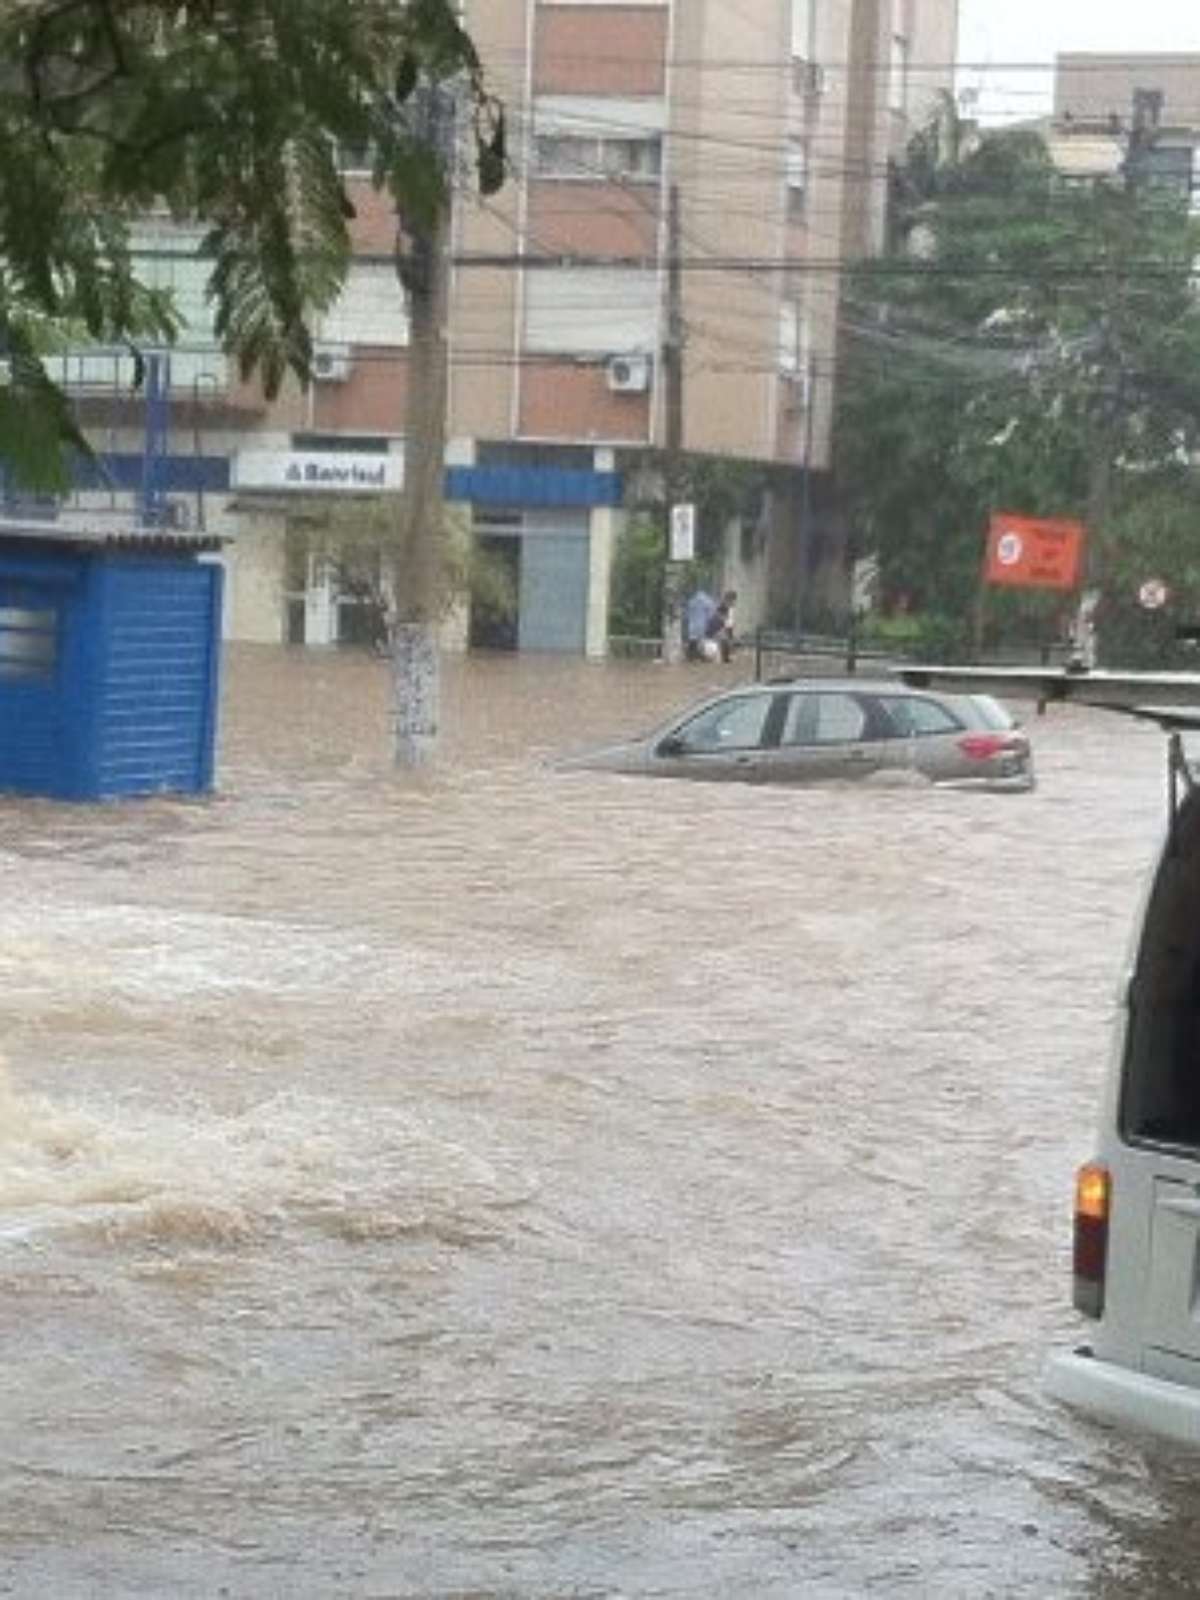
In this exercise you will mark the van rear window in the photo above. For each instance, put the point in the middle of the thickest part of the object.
(1160, 1098)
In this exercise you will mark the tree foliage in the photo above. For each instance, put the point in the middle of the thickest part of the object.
(725, 492)
(355, 534)
(1027, 344)
(227, 112)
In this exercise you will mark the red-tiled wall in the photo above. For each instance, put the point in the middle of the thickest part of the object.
(600, 50)
(593, 219)
(563, 400)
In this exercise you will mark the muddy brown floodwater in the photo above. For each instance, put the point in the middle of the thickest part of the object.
(531, 1184)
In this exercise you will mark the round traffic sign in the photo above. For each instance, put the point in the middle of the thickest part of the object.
(1152, 594)
(1009, 549)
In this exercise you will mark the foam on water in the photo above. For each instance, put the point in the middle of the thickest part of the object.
(131, 1173)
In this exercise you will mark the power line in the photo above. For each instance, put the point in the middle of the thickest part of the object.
(884, 267)
(1066, 62)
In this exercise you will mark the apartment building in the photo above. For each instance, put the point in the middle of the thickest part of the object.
(688, 177)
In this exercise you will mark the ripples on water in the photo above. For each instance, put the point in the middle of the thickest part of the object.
(520, 1183)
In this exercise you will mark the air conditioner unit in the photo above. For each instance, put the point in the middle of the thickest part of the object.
(628, 374)
(331, 363)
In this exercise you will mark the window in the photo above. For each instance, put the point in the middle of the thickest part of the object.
(599, 158)
(1160, 1099)
(992, 713)
(912, 716)
(28, 642)
(802, 21)
(730, 725)
(796, 175)
(370, 310)
(591, 311)
(790, 354)
(898, 60)
(167, 256)
(372, 444)
(1167, 169)
(824, 719)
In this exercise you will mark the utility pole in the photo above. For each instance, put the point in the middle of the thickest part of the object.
(422, 265)
(805, 527)
(672, 370)
(1147, 109)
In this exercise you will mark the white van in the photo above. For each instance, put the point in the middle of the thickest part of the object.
(1137, 1202)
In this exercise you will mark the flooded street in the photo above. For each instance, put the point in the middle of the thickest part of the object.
(519, 1184)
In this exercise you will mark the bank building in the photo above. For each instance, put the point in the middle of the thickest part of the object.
(686, 177)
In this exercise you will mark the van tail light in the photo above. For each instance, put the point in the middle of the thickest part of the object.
(1093, 1203)
(985, 746)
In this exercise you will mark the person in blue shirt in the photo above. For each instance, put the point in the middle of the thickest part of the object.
(698, 613)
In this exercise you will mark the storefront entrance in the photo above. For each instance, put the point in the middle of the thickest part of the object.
(545, 554)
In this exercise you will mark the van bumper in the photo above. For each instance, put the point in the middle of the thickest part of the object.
(1117, 1394)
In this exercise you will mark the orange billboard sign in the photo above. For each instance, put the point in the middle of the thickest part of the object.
(1034, 552)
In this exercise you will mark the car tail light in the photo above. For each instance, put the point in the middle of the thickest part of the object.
(984, 746)
(1093, 1203)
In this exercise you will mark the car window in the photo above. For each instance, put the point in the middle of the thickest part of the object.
(914, 716)
(729, 725)
(824, 718)
(991, 711)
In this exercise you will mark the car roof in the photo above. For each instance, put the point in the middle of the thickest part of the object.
(714, 695)
(861, 685)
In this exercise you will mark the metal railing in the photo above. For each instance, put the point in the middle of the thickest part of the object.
(812, 655)
(627, 647)
(777, 654)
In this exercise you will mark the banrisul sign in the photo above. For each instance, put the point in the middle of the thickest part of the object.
(318, 471)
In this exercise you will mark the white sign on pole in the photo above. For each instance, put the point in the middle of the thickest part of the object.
(1152, 594)
(683, 533)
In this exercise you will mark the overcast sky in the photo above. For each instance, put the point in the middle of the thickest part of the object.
(998, 33)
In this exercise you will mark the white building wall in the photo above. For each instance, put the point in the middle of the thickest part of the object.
(255, 575)
(603, 530)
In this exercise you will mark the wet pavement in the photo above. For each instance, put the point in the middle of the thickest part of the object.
(517, 1183)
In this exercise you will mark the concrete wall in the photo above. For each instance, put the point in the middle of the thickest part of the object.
(1093, 87)
(255, 579)
(604, 530)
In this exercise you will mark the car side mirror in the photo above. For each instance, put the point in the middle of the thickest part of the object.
(672, 745)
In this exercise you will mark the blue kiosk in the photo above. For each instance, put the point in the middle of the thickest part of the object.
(109, 654)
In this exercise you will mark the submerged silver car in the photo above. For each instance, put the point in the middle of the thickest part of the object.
(827, 729)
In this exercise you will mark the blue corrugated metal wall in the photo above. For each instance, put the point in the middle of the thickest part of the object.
(38, 754)
(156, 694)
